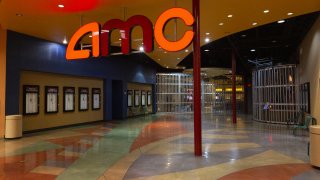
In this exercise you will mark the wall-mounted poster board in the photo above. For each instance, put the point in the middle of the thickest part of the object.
(136, 98)
(149, 99)
(143, 98)
(83, 99)
(51, 99)
(129, 97)
(30, 99)
(96, 98)
(68, 99)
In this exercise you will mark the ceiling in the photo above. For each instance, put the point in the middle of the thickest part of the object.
(261, 46)
(44, 19)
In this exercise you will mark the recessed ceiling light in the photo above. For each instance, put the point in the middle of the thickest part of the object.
(120, 39)
(61, 6)
(165, 52)
(243, 35)
(186, 50)
(220, 24)
(65, 41)
(167, 67)
(90, 36)
(159, 59)
(141, 48)
(207, 34)
(19, 15)
(230, 16)
(253, 50)
(207, 50)
(281, 21)
(254, 24)
(266, 11)
(290, 14)
(207, 40)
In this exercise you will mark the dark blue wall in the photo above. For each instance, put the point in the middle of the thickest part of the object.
(29, 53)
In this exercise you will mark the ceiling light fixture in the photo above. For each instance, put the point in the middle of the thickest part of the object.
(253, 50)
(243, 35)
(290, 14)
(165, 52)
(159, 59)
(281, 21)
(65, 41)
(230, 16)
(61, 6)
(266, 11)
(207, 50)
(254, 24)
(207, 34)
(141, 49)
(207, 40)
(178, 58)
(220, 24)
(90, 36)
(186, 50)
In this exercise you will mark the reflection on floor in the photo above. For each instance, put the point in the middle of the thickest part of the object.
(159, 147)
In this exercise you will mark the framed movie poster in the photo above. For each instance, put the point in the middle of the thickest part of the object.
(51, 99)
(136, 98)
(96, 98)
(83, 99)
(68, 99)
(149, 99)
(143, 98)
(129, 97)
(30, 99)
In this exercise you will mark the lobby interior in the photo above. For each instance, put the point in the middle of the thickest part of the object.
(131, 116)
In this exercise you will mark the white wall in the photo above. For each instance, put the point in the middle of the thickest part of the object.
(309, 67)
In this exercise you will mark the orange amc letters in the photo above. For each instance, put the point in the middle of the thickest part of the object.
(101, 35)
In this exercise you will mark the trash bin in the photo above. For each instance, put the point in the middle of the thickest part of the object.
(315, 145)
(13, 126)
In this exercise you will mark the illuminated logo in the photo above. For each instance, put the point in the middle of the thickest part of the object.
(101, 36)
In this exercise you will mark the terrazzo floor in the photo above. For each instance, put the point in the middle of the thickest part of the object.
(160, 147)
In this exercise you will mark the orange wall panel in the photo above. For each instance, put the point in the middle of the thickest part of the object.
(3, 49)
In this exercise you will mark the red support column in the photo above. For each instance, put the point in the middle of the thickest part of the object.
(234, 99)
(197, 79)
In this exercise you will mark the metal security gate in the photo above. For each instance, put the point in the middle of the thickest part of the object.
(276, 94)
(175, 93)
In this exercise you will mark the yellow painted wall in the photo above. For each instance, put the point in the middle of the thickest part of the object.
(309, 68)
(42, 120)
(3, 59)
(133, 111)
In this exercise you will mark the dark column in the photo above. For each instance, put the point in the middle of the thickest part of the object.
(197, 79)
(119, 104)
(245, 91)
(107, 99)
(234, 99)
(154, 99)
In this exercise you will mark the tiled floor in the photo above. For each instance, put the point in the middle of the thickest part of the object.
(160, 147)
